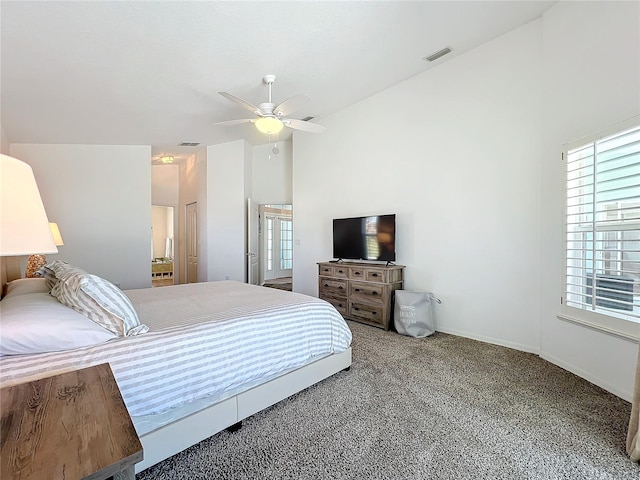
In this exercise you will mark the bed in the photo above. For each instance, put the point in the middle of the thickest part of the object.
(202, 357)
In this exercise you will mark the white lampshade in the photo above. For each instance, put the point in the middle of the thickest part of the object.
(24, 227)
(269, 125)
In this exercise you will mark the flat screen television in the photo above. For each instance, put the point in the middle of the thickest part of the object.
(365, 238)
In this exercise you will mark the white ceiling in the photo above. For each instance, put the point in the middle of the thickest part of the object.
(148, 73)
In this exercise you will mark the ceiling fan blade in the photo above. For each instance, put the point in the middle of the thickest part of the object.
(291, 105)
(235, 122)
(302, 125)
(242, 103)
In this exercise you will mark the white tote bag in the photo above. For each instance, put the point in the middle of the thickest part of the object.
(413, 313)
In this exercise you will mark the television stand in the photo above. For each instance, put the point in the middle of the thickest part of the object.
(362, 292)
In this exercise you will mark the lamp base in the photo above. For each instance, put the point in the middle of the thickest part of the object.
(35, 263)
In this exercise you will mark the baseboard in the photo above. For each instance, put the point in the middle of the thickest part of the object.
(494, 341)
(625, 395)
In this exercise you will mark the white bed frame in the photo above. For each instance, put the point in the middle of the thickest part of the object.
(176, 436)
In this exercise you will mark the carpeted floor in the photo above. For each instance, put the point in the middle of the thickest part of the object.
(443, 407)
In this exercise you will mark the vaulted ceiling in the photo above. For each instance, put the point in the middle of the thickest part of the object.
(148, 73)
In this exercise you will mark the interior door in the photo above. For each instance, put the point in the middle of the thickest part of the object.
(253, 259)
(191, 240)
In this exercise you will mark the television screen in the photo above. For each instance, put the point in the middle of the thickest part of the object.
(365, 238)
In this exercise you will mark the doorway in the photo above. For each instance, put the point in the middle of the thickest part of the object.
(162, 245)
(276, 242)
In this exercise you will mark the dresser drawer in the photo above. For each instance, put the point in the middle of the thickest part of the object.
(357, 273)
(340, 304)
(325, 270)
(341, 271)
(375, 275)
(367, 312)
(332, 287)
(368, 292)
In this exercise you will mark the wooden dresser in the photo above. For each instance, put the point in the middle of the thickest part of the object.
(360, 291)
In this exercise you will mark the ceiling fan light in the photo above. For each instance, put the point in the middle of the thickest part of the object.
(167, 159)
(269, 125)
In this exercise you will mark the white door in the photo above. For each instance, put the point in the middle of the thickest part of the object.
(192, 242)
(253, 258)
(278, 246)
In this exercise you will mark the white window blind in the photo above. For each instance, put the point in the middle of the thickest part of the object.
(603, 226)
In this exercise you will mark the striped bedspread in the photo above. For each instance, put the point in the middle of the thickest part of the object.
(204, 339)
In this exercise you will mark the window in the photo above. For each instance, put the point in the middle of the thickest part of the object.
(602, 251)
(286, 244)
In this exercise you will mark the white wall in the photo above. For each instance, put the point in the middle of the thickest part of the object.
(165, 185)
(591, 82)
(100, 197)
(455, 153)
(162, 223)
(272, 177)
(228, 180)
(193, 188)
(468, 156)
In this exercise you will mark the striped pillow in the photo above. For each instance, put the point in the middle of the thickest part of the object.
(55, 271)
(100, 301)
(49, 275)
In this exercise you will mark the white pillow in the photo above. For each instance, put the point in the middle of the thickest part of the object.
(38, 323)
(99, 300)
(22, 286)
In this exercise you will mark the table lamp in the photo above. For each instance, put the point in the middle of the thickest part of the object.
(24, 227)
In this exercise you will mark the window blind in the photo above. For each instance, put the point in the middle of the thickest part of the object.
(603, 226)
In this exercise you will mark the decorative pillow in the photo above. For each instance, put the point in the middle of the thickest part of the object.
(66, 273)
(100, 301)
(54, 271)
(61, 269)
(38, 323)
(23, 286)
(49, 275)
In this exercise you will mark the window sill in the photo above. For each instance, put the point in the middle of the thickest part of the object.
(625, 333)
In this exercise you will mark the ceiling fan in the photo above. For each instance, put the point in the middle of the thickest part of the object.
(271, 118)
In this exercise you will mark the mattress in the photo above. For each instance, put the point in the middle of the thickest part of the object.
(206, 341)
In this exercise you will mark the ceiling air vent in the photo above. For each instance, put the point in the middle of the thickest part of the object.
(306, 119)
(189, 144)
(437, 55)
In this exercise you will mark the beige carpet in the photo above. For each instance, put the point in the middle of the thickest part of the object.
(442, 407)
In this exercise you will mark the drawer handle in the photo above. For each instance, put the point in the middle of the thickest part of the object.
(356, 289)
(356, 273)
(340, 271)
(326, 269)
(356, 309)
(340, 305)
(340, 287)
(374, 293)
(374, 274)
(326, 284)
(374, 313)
